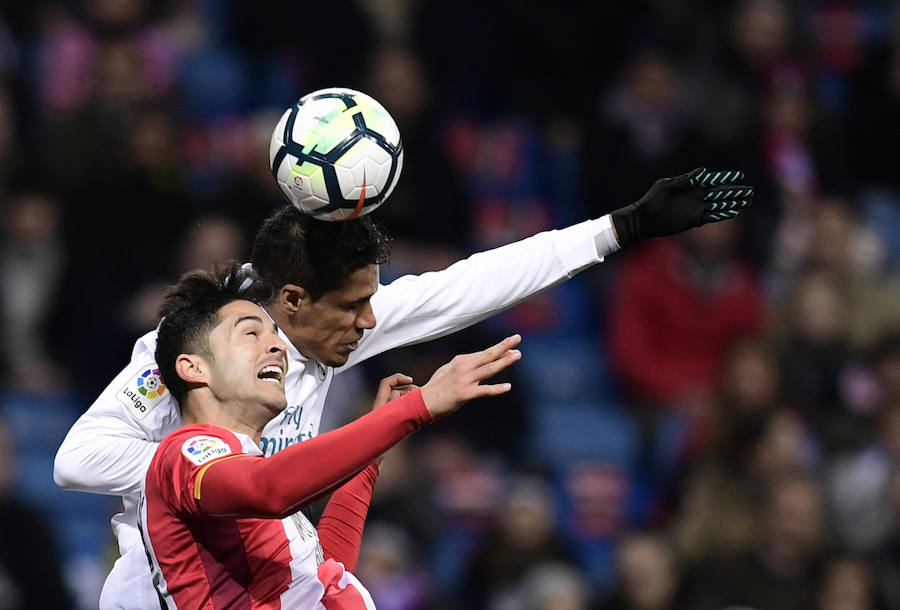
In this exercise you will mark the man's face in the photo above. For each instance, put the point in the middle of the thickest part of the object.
(328, 329)
(248, 360)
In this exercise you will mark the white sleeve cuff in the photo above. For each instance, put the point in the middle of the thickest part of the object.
(585, 243)
(605, 238)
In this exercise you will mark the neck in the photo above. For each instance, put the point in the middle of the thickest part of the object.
(201, 410)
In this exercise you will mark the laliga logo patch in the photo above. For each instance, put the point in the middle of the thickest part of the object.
(150, 384)
(144, 392)
(201, 449)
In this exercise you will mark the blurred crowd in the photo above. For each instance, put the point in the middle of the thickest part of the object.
(702, 421)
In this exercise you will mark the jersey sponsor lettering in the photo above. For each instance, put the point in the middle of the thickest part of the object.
(143, 392)
(270, 445)
(288, 432)
(201, 449)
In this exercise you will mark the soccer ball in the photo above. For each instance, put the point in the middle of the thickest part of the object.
(336, 154)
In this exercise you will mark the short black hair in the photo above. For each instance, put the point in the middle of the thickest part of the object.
(190, 311)
(319, 256)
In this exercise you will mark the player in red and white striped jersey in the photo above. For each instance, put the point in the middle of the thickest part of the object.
(221, 523)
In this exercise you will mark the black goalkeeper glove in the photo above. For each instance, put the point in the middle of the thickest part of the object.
(673, 205)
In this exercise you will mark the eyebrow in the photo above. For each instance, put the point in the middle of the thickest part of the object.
(246, 319)
(254, 319)
(360, 300)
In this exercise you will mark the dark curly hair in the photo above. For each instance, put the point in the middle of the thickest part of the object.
(294, 248)
(190, 312)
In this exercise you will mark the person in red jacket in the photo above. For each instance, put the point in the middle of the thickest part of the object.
(679, 305)
(222, 525)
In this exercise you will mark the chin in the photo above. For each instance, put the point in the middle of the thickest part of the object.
(336, 361)
(277, 407)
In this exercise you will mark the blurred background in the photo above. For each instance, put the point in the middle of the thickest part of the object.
(703, 420)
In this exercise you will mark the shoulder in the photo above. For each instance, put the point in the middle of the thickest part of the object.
(138, 393)
(145, 346)
(197, 445)
(140, 389)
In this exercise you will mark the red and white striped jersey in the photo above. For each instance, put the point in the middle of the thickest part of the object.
(240, 563)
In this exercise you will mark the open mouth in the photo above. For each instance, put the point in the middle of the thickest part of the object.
(272, 373)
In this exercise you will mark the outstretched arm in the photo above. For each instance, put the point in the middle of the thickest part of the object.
(419, 308)
(299, 475)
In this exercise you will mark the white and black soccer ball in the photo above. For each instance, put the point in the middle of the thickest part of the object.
(336, 154)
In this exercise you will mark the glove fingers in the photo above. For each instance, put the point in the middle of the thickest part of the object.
(722, 193)
(687, 179)
(723, 210)
(708, 178)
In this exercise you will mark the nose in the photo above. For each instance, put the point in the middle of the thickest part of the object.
(277, 345)
(366, 318)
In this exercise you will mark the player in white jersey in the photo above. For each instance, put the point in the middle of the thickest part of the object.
(327, 304)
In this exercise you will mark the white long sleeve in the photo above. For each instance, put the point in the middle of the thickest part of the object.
(414, 309)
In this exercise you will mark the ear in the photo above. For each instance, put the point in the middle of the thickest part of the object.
(191, 368)
(292, 298)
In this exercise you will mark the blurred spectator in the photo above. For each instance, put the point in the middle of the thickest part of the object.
(755, 54)
(748, 96)
(32, 263)
(716, 519)
(72, 58)
(815, 338)
(795, 147)
(887, 559)
(857, 484)
(845, 583)
(549, 586)
(727, 457)
(777, 573)
(679, 305)
(208, 241)
(648, 575)
(9, 162)
(885, 358)
(748, 389)
(859, 479)
(521, 537)
(228, 168)
(405, 497)
(642, 129)
(30, 572)
(829, 237)
(842, 246)
(818, 357)
(388, 567)
(801, 161)
(88, 144)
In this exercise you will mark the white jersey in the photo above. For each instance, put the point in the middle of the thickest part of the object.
(110, 447)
